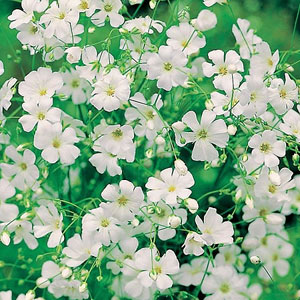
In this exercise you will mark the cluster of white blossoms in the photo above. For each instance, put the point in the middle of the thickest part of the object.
(104, 148)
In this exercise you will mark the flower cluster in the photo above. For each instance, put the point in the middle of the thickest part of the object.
(106, 144)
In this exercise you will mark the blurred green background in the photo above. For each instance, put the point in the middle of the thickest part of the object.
(274, 22)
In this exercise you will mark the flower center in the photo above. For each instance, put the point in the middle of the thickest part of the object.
(108, 7)
(283, 94)
(150, 115)
(104, 222)
(75, 83)
(253, 96)
(202, 134)
(57, 224)
(172, 188)
(122, 201)
(167, 66)
(224, 288)
(157, 269)
(263, 212)
(84, 5)
(275, 257)
(223, 70)
(184, 44)
(33, 30)
(270, 62)
(117, 134)
(110, 91)
(265, 148)
(41, 116)
(272, 189)
(43, 92)
(56, 143)
(62, 15)
(23, 166)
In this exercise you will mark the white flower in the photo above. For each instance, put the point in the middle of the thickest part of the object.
(213, 229)
(48, 220)
(73, 54)
(87, 6)
(127, 250)
(206, 20)
(6, 93)
(193, 244)
(266, 148)
(225, 283)
(291, 124)
(283, 95)
(19, 17)
(40, 85)
(24, 172)
(111, 91)
(79, 249)
(149, 122)
(1, 68)
(205, 134)
(255, 260)
(144, 25)
(39, 113)
(60, 18)
(185, 39)
(212, 2)
(168, 66)
(181, 167)
(125, 200)
(245, 38)
(156, 271)
(110, 9)
(56, 143)
(78, 89)
(100, 220)
(192, 273)
(254, 96)
(263, 62)
(171, 187)
(118, 140)
(224, 79)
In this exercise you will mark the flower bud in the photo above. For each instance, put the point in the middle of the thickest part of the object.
(255, 260)
(192, 205)
(83, 287)
(212, 199)
(160, 140)
(66, 272)
(91, 29)
(135, 222)
(231, 129)
(5, 238)
(209, 104)
(174, 221)
(206, 20)
(274, 178)
(244, 157)
(238, 195)
(181, 167)
(151, 210)
(42, 282)
(73, 54)
(152, 4)
(249, 201)
(231, 69)
(153, 275)
(30, 295)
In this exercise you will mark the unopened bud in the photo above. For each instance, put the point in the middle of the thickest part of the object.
(30, 295)
(275, 219)
(231, 129)
(153, 275)
(160, 140)
(42, 282)
(5, 238)
(212, 199)
(181, 167)
(83, 287)
(66, 272)
(178, 126)
(174, 221)
(135, 222)
(209, 104)
(255, 260)
(192, 205)
(249, 201)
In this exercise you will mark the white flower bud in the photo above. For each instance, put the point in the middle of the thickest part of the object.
(209, 105)
(206, 20)
(39, 191)
(212, 199)
(274, 178)
(24, 47)
(289, 68)
(152, 4)
(83, 287)
(192, 205)
(231, 69)
(30, 295)
(249, 201)
(20, 148)
(73, 54)
(178, 126)
(133, 2)
(19, 196)
(153, 275)
(255, 260)
(174, 221)
(135, 222)
(275, 219)
(91, 29)
(180, 167)
(66, 272)
(160, 140)
(42, 282)
(231, 129)
(238, 195)
(5, 238)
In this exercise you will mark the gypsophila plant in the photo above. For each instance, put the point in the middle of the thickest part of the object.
(107, 141)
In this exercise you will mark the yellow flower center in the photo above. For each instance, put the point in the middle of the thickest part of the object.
(43, 92)
(225, 288)
(122, 201)
(117, 134)
(104, 223)
(62, 15)
(56, 143)
(172, 188)
(108, 7)
(41, 116)
(75, 83)
(167, 66)
(265, 147)
(270, 62)
(202, 134)
(23, 166)
(110, 91)
(223, 70)
(283, 94)
(272, 188)
(84, 5)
